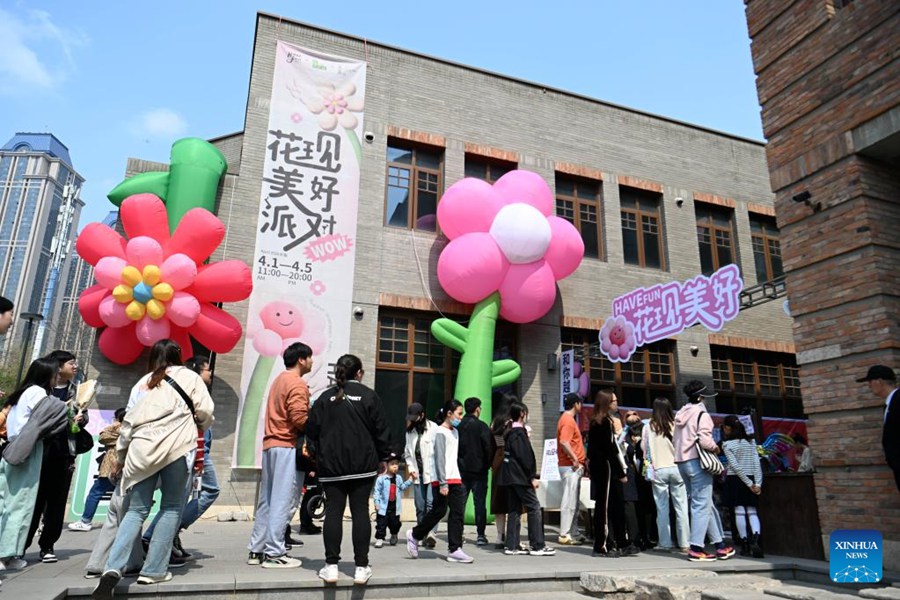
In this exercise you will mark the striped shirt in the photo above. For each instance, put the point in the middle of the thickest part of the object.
(743, 461)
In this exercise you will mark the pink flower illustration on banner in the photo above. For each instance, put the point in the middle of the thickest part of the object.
(153, 286)
(505, 238)
(317, 287)
(334, 105)
(617, 339)
(296, 117)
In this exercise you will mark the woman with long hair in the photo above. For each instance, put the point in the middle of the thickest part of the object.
(157, 443)
(743, 485)
(19, 483)
(450, 491)
(660, 454)
(347, 436)
(693, 429)
(606, 467)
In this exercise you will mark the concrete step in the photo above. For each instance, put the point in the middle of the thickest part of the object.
(729, 594)
(884, 593)
(808, 592)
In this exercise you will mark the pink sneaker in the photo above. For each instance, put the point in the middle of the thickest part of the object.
(412, 544)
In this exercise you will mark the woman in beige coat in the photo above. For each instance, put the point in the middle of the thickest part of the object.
(157, 442)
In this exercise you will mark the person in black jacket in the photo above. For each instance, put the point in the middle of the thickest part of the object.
(58, 463)
(883, 383)
(605, 463)
(347, 435)
(475, 454)
(519, 475)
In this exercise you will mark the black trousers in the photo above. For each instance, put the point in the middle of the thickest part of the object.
(53, 491)
(456, 501)
(476, 484)
(523, 496)
(616, 515)
(337, 493)
(388, 521)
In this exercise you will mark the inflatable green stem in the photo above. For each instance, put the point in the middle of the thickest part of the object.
(245, 449)
(195, 168)
(478, 372)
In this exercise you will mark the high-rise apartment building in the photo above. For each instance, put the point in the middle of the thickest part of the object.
(70, 332)
(39, 212)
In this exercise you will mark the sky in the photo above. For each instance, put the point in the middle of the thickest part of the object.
(114, 80)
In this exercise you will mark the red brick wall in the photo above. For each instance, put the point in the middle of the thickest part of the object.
(821, 72)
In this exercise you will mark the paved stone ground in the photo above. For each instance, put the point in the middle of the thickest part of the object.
(220, 568)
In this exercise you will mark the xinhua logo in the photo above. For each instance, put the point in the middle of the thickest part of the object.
(855, 556)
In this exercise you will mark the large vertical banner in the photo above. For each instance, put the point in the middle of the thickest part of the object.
(306, 231)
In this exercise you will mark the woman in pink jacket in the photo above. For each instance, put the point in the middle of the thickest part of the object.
(694, 426)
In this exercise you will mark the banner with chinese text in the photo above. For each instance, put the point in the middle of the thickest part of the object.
(306, 232)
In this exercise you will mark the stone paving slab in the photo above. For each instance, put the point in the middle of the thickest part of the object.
(807, 592)
(616, 581)
(691, 587)
(220, 569)
(885, 593)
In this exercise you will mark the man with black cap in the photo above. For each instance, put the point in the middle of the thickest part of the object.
(883, 383)
(419, 458)
(6, 315)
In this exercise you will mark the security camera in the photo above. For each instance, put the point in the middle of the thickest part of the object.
(358, 312)
(695, 350)
(369, 136)
(679, 202)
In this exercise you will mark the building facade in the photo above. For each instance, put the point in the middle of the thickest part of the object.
(829, 85)
(39, 212)
(655, 200)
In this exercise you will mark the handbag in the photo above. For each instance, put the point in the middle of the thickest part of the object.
(709, 462)
(84, 441)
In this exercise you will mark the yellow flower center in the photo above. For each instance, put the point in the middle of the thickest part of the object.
(143, 292)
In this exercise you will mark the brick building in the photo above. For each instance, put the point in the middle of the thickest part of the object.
(829, 86)
(434, 121)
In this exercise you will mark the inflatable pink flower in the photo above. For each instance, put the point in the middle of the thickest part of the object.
(153, 286)
(505, 238)
(617, 339)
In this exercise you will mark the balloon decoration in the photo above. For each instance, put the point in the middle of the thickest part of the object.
(507, 250)
(156, 284)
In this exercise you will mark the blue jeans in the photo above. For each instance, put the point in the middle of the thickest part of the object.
(173, 481)
(195, 507)
(477, 485)
(668, 480)
(699, 485)
(423, 497)
(102, 485)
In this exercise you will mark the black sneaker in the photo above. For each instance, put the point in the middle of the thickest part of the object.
(310, 529)
(177, 548)
(255, 559)
(175, 561)
(48, 556)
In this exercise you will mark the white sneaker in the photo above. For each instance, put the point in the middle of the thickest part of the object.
(80, 526)
(362, 575)
(379, 543)
(329, 573)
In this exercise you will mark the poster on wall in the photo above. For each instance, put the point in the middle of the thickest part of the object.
(87, 467)
(573, 379)
(647, 315)
(306, 231)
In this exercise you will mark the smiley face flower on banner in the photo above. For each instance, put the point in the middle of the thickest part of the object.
(153, 286)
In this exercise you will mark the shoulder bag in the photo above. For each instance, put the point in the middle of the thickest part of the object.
(709, 462)
(201, 441)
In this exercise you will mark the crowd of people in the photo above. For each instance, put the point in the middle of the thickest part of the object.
(651, 480)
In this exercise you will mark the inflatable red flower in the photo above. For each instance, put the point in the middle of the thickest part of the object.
(154, 286)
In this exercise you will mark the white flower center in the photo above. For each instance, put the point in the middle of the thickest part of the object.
(522, 233)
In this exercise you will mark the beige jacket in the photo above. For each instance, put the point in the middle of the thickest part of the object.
(159, 429)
